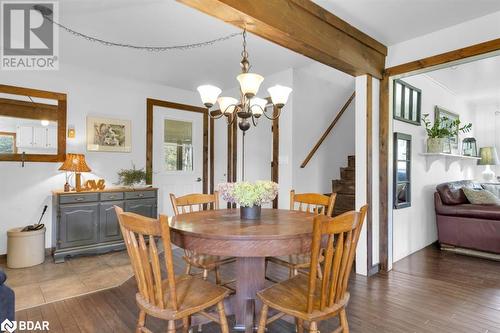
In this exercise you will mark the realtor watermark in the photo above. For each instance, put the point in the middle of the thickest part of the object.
(29, 39)
(24, 325)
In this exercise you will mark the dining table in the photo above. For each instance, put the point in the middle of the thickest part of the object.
(223, 233)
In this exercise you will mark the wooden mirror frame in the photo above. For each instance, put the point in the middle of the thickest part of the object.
(22, 109)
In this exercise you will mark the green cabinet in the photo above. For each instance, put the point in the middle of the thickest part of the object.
(86, 222)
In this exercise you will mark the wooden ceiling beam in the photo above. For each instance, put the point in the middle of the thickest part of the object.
(303, 27)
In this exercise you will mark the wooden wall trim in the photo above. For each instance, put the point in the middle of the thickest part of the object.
(305, 28)
(275, 166)
(212, 155)
(443, 58)
(384, 133)
(150, 104)
(13, 90)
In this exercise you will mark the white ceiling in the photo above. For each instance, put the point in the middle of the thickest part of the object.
(394, 21)
(166, 22)
(477, 83)
(163, 22)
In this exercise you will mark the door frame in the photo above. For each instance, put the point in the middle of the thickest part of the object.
(150, 104)
(413, 67)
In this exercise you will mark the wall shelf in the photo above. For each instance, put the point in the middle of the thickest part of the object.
(449, 159)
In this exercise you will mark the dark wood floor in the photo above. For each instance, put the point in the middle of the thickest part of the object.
(430, 291)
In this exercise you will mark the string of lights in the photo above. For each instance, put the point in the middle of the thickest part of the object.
(47, 14)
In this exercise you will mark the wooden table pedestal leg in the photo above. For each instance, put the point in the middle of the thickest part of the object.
(250, 278)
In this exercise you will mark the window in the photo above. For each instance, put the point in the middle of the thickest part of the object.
(178, 145)
(402, 170)
(8, 143)
(407, 102)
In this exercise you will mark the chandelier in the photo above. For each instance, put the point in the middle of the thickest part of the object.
(249, 107)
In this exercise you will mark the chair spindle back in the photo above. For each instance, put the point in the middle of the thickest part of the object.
(312, 202)
(139, 234)
(194, 202)
(342, 234)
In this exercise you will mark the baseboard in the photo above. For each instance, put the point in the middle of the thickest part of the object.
(469, 252)
(375, 269)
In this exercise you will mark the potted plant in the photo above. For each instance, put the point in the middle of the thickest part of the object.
(249, 196)
(131, 177)
(439, 133)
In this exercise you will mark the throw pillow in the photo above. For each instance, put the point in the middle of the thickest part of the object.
(480, 197)
(493, 188)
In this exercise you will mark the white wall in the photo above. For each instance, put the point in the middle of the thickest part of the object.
(487, 134)
(24, 191)
(415, 227)
(316, 103)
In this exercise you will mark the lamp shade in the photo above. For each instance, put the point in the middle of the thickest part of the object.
(257, 106)
(209, 94)
(249, 83)
(488, 156)
(227, 104)
(279, 94)
(75, 163)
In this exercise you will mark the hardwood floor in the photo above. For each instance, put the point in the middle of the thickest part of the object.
(430, 291)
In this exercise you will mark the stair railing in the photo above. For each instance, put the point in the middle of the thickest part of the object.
(328, 130)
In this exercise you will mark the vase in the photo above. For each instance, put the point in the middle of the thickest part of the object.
(438, 145)
(250, 213)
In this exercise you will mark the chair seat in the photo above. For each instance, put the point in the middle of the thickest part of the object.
(290, 297)
(207, 261)
(193, 295)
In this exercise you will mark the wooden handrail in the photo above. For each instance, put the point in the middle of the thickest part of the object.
(328, 130)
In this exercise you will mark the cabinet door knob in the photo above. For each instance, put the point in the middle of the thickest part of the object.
(79, 199)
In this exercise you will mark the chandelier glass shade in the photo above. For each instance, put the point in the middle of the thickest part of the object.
(249, 106)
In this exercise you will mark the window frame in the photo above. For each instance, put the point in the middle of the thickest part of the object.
(413, 90)
(408, 161)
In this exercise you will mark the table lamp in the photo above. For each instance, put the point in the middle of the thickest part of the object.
(488, 157)
(75, 163)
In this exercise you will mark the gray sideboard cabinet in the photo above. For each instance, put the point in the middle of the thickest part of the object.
(86, 223)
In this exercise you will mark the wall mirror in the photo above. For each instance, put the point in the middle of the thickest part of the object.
(402, 170)
(32, 125)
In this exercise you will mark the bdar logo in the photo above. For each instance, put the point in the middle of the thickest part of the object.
(8, 326)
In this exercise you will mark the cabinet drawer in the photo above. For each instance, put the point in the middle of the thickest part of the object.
(76, 198)
(140, 194)
(111, 196)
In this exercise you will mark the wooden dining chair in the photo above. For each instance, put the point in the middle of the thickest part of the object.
(196, 202)
(171, 298)
(308, 298)
(306, 202)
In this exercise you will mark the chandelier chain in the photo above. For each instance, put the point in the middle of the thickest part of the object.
(181, 47)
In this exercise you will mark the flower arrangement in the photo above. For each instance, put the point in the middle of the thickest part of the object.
(247, 194)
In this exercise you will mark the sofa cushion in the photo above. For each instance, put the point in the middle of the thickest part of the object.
(451, 193)
(3, 277)
(487, 212)
(481, 197)
(493, 188)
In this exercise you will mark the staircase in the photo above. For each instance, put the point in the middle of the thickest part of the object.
(345, 188)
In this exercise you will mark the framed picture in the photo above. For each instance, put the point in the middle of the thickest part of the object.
(109, 135)
(8, 143)
(439, 113)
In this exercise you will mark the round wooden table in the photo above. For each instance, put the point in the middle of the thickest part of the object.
(221, 232)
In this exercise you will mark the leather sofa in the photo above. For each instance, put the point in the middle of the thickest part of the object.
(7, 299)
(462, 224)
